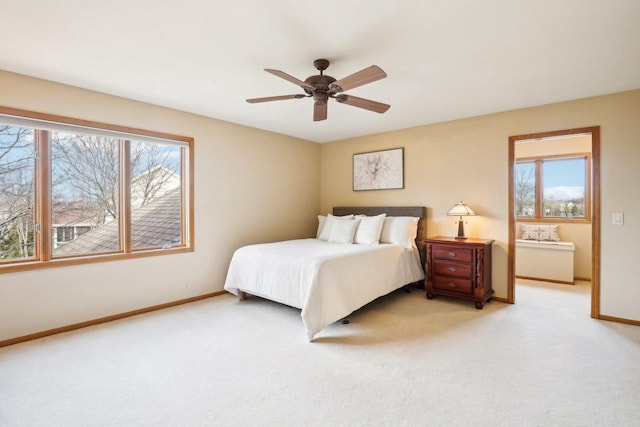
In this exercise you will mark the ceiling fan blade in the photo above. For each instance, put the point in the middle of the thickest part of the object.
(367, 104)
(275, 98)
(289, 78)
(319, 111)
(368, 75)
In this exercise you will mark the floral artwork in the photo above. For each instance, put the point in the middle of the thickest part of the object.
(378, 170)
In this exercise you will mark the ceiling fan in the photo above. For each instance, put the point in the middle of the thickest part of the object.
(322, 87)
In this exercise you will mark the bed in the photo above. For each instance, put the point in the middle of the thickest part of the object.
(328, 279)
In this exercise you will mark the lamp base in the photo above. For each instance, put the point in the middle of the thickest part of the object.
(461, 235)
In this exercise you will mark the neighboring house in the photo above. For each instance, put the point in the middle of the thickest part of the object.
(63, 234)
(71, 220)
(74, 219)
(156, 224)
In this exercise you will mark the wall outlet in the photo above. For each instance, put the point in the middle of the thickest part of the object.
(617, 219)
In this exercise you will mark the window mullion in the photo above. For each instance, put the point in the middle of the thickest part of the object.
(43, 195)
(184, 179)
(587, 187)
(125, 195)
(539, 196)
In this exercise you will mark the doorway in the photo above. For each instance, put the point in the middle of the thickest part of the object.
(592, 206)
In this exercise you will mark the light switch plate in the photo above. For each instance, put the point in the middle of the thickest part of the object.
(617, 219)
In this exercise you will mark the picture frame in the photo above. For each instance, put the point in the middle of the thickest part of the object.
(378, 170)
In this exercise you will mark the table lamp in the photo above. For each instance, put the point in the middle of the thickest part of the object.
(460, 209)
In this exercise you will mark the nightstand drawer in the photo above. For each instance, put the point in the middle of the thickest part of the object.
(452, 253)
(453, 269)
(453, 284)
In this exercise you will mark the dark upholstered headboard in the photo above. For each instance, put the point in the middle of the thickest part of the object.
(415, 211)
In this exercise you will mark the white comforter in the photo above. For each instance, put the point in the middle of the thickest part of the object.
(328, 281)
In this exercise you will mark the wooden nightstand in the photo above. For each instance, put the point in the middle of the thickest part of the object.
(459, 268)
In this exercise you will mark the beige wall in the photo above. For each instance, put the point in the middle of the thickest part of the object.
(250, 186)
(468, 160)
(253, 186)
(579, 234)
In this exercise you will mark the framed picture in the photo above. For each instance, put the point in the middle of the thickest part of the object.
(378, 170)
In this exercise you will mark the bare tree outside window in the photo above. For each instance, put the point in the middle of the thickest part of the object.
(85, 181)
(84, 173)
(525, 189)
(17, 152)
(155, 170)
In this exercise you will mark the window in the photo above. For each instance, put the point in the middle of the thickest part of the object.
(155, 176)
(17, 198)
(75, 191)
(525, 194)
(553, 188)
(84, 189)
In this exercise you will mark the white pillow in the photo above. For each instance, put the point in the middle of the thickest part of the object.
(540, 232)
(369, 229)
(325, 232)
(343, 231)
(400, 230)
(321, 220)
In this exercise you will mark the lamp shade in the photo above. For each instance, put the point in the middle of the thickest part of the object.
(460, 209)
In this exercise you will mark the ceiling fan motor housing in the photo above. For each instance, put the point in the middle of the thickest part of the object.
(320, 83)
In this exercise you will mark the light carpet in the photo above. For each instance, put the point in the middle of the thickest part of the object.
(402, 361)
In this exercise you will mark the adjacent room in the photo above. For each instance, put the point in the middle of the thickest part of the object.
(336, 213)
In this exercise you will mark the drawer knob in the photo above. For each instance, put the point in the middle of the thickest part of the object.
(451, 285)
(452, 269)
(452, 254)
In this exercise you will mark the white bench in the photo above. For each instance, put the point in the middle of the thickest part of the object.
(550, 261)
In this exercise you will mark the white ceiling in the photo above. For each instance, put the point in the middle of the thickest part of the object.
(444, 59)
